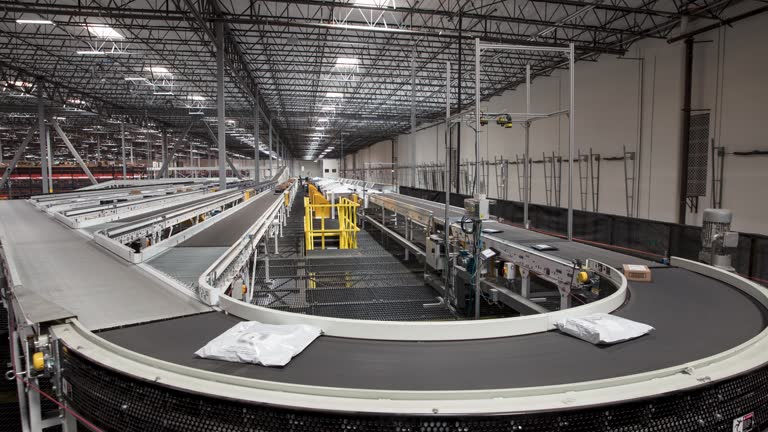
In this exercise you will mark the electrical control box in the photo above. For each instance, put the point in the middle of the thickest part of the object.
(477, 208)
(435, 252)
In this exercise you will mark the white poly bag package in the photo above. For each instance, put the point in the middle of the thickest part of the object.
(602, 328)
(265, 344)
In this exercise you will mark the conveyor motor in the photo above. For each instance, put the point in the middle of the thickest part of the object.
(717, 238)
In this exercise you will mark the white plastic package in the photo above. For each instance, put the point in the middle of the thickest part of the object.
(602, 328)
(265, 344)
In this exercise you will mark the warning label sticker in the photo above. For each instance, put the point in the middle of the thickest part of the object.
(744, 423)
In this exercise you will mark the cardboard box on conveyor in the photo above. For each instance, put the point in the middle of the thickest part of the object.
(637, 272)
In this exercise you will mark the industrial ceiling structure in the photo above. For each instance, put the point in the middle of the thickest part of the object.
(324, 72)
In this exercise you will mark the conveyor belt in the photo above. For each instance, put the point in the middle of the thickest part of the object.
(228, 231)
(677, 303)
(65, 268)
(167, 209)
(566, 250)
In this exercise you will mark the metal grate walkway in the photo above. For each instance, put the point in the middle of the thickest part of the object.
(372, 282)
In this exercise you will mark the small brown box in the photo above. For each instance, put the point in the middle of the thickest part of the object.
(637, 272)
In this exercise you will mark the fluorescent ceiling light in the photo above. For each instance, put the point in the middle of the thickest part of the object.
(322, 120)
(135, 79)
(103, 31)
(91, 52)
(332, 94)
(346, 61)
(74, 101)
(197, 97)
(319, 127)
(160, 70)
(35, 21)
(18, 83)
(326, 108)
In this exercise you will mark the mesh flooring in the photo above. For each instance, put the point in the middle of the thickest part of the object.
(372, 282)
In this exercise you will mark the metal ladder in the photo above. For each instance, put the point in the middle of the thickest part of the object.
(501, 167)
(553, 174)
(629, 180)
(589, 179)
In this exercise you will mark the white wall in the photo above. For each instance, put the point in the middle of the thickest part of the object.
(330, 168)
(307, 168)
(637, 105)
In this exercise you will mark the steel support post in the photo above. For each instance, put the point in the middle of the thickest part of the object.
(71, 148)
(447, 183)
(686, 132)
(477, 123)
(526, 174)
(163, 173)
(571, 136)
(168, 157)
(222, 127)
(122, 147)
(17, 156)
(526, 163)
(48, 144)
(413, 115)
(256, 151)
(41, 136)
(271, 174)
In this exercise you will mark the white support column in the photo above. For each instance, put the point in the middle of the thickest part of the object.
(222, 140)
(41, 136)
(122, 148)
(71, 148)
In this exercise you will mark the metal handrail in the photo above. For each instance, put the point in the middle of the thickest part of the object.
(347, 216)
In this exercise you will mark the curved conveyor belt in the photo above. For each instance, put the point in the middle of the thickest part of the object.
(678, 303)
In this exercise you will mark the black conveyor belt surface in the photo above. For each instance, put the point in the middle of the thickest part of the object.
(225, 233)
(678, 303)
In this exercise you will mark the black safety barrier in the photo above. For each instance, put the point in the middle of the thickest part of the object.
(644, 238)
(25, 180)
(112, 401)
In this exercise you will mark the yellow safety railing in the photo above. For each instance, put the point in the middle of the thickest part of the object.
(346, 211)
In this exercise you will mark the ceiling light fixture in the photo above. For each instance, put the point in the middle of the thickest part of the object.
(332, 94)
(91, 52)
(159, 70)
(346, 61)
(103, 31)
(35, 21)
